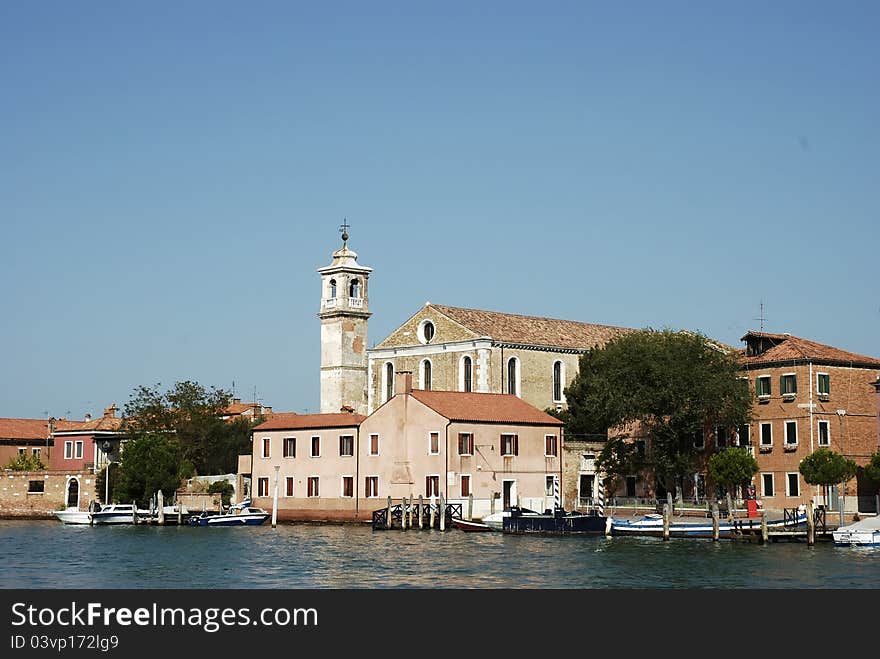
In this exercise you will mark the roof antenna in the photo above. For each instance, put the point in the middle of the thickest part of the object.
(761, 317)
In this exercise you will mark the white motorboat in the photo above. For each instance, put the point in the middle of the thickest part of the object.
(115, 513)
(241, 514)
(864, 533)
(74, 516)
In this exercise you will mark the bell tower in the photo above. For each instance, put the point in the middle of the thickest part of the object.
(344, 313)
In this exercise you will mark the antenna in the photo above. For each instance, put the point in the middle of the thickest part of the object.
(761, 316)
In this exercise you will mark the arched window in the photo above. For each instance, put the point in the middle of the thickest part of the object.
(466, 374)
(332, 288)
(389, 380)
(425, 373)
(557, 382)
(354, 288)
(513, 376)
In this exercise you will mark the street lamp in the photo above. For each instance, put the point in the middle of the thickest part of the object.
(107, 482)
(841, 496)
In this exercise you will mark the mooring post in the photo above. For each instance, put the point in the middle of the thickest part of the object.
(412, 505)
(669, 503)
(134, 512)
(765, 532)
(403, 515)
(811, 525)
(666, 514)
(607, 527)
(160, 505)
(421, 512)
(431, 506)
(442, 513)
(179, 511)
(470, 506)
(388, 515)
(716, 532)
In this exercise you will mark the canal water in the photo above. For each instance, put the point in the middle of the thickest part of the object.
(47, 554)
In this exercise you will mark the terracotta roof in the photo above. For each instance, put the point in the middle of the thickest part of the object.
(532, 330)
(102, 423)
(791, 348)
(24, 428)
(485, 408)
(294, 421)
(238, 408)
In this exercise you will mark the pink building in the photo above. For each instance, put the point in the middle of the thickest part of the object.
(86, 445)
(495, 448)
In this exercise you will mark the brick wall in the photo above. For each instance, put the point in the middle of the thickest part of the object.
(20, 496)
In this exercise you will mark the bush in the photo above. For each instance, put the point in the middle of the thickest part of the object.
(25, 462)
(224, 488)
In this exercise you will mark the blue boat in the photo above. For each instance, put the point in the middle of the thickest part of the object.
(652, 525)
(554, 522)
(241, 514)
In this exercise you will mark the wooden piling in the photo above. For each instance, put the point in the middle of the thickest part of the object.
(388, 523)
(470, 506)
(765, 533)
(607, 527)
(403, 519)
(811, 525)
(716, 532)
(421, 513)
(134, 512)
(670, 504)
(442, 513)
(179, 512)
(160, 506)
(431, 506)
(411, 509)
(666, 514)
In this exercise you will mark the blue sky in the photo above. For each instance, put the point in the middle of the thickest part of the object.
(172, 175)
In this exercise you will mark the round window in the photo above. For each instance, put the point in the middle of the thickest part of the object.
(426, 331)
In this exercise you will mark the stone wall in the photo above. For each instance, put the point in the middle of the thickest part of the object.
(22, 496)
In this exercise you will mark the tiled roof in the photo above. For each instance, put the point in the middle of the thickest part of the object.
(24, 428)
(532, 330)
(239, 408)
(485, 408)
(100, 424)
(294, 421)
(791, 348)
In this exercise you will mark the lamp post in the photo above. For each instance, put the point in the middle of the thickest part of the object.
(107, 482)
(841, 496)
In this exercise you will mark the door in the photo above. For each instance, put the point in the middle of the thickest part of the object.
(586, 490)
(508, 492)
(73, 493)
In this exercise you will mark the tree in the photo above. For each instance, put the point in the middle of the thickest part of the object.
(672, 384)
(224, 488)
(150, 463)
(872, 469)
(731, 467)
(825, 467)
(25, 462)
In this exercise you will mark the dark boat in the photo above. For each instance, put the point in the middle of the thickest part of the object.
(555, 522)
(468, 525)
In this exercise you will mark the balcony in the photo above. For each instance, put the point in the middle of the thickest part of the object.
(342, 303)
(790, 446)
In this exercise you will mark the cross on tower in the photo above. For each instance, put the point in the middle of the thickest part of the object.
(344, 229)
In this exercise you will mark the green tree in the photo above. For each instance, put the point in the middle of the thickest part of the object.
(731, 467)
(150, 463)
(872, 469)
(672, 384)
(224, 488)
(25, 462)
(825, 467)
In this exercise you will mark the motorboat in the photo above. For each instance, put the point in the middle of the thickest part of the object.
(864, 533)
(555, 522)
(75, 515)
(240, 514)
(115, 513)
(470, 525)
(495, 521)
(652, 525)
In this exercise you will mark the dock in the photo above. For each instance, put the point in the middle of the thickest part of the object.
(416, 513)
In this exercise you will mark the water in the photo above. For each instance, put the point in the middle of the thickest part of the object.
(52, 555)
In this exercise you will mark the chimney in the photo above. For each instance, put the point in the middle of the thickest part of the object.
(403, 382)
(110, 412)
(236, 401)
(267, 409)
(88, 417)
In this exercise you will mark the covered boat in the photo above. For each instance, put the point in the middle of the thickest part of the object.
(652, 525)
(555, 522)
(864, 533)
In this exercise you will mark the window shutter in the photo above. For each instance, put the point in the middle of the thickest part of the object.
(516, 444)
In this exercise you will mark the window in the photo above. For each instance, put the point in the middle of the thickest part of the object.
(35, 452)
(548, 486)
(766, 434)
(767, 485)
(22, 450)
(348, 486)
(465, 443)
(762, 386)
(788, 385)
(288, 486)
(262, 487)
(425, 374)
(793, 485)
(316, 447)
(332, 288)
(467, 367)
(433, 443)
(699, 439)
(432, 486)
(79, 449)
(374, 444)
(371, 486)
(824, 433)
(640, 448)
(550, 446)
(68, 450)
(465, 485)
(389, 381)
(354, 288)
(791, 438)
(346, 445)
(266, 447)
(36, 487)
(513, 376)
(720, 437)
(289, 444)
(557, 382)
(509, 445)
(823, 384)
(743, 435)
(425, 331)
(314, 483)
